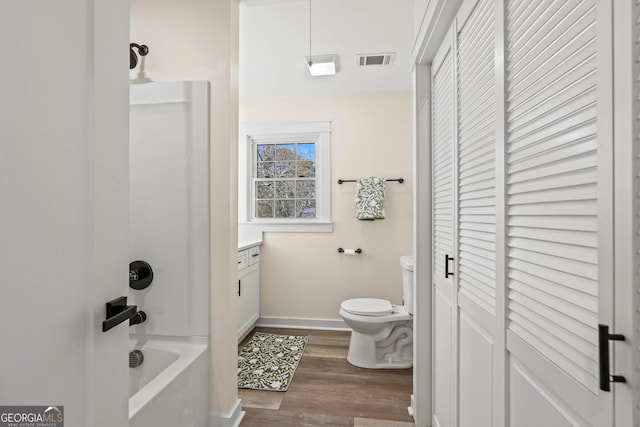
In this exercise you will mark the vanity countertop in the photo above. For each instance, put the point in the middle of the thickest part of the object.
(248, 238)
(247, 243)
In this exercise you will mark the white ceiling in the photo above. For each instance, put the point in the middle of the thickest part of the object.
(274, 40)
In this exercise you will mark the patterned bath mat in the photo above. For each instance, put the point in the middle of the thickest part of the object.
(268, 361)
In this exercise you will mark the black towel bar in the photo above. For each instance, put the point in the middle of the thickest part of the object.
(400, 180)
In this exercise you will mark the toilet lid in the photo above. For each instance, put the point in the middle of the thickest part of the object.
(367, 306)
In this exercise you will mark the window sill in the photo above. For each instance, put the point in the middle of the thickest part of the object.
(282, 227)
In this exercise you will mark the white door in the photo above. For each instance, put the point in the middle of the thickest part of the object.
(479, 371)
(522, 202)
(467, 368)
(445, 293)
(63, 207)
(558, 172)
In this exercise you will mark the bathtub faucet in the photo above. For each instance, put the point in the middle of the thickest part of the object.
(118, 311)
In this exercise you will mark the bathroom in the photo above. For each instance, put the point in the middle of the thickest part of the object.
(305, 287)
(65, 205)
(303, 277)
(365, 107)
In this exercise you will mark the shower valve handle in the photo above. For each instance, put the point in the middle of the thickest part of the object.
(117, 312)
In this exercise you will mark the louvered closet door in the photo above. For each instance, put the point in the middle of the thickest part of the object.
(476, 195)
(443, 237)
(559, 258)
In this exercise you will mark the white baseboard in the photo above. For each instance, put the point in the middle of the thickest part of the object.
(297, 323)
(232, 420)
(413, 406)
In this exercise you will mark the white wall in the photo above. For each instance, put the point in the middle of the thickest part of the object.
(198, 40)
(302, 274)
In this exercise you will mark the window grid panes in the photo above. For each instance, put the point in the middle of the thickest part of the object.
(285, 180)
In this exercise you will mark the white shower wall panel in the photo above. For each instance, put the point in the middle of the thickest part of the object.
(169, 204)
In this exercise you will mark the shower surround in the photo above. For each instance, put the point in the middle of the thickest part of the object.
(169, 229)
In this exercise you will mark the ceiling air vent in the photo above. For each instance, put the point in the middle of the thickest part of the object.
(375, 59)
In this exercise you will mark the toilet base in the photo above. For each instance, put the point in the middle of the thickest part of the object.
(400, 364)
(392, 351)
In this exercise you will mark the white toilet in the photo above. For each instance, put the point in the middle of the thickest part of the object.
(382, 336)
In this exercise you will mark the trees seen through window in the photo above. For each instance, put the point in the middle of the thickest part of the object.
(285, 180)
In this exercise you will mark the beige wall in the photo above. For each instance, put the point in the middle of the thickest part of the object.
(302, 274)
(198, 40)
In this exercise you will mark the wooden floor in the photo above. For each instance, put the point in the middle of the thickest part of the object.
(327, 391)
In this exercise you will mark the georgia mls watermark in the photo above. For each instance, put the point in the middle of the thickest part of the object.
(32, 416)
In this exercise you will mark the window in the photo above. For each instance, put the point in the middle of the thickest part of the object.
(284, 176)
(284, 180)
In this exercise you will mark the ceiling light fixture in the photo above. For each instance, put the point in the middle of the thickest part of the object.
(320, 65)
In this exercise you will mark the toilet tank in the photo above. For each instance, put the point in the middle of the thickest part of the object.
(406, 262)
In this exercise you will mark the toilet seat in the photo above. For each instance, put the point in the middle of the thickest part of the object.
(367, 307)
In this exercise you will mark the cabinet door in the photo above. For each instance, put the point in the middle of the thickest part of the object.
(248, 298)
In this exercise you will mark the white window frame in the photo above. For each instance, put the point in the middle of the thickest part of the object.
(317, 132)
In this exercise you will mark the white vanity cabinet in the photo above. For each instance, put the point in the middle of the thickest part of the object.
(248, 289)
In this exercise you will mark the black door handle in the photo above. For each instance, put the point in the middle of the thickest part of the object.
(239, 288)
(447, 273)
(603, 349)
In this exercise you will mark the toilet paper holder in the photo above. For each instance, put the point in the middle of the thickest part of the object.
(358, 251)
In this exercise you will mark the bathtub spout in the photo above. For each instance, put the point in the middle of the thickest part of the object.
(135, 358)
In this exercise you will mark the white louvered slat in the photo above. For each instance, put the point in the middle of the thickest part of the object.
(577, 341)
(537, 312)
(573, 296)
(580, 192)
(476, 156)
(542, 157)
(552, 222)
(589, 272)
(476, 198)
(442, 107)
(578, 207)
(577, 364)
(535, 45)
(577, 238)
(568, 280)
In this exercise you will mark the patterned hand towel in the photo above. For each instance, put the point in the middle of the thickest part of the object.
(370, 198)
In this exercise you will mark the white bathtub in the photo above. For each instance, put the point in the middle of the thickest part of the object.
(171, 387)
